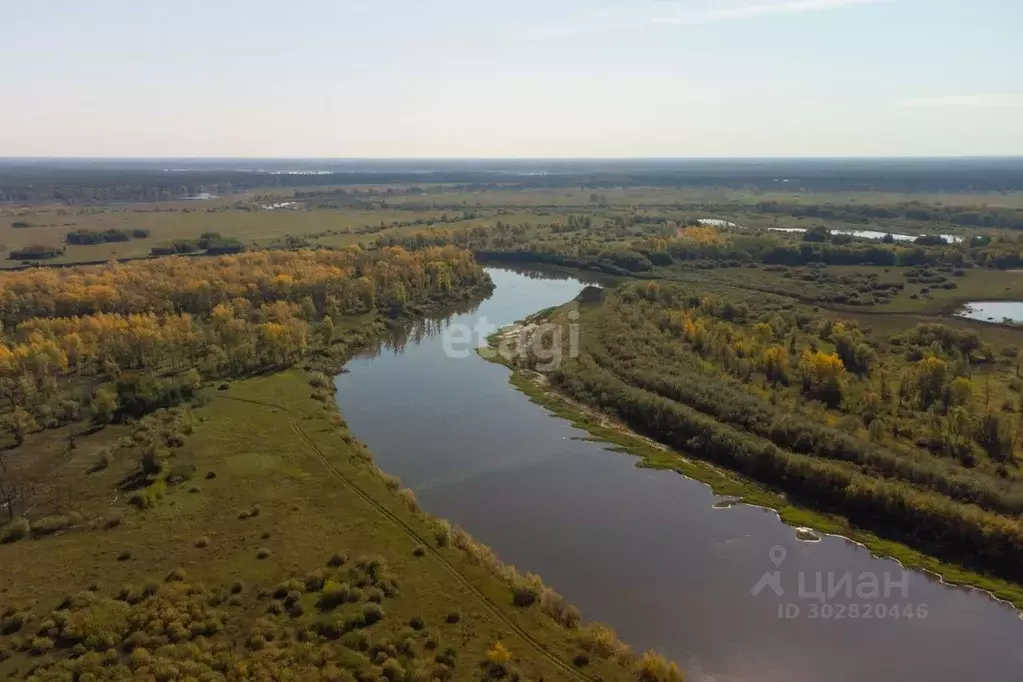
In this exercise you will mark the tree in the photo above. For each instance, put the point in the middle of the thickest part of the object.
(775, 362)
(191, 380)
(104, 405)
(995, 435)
(19, 422)
(327, 330)
(11, 493)
(932, 378)
(823, 375)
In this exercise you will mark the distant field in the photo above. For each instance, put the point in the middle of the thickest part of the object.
(257, 227)
(339, 216)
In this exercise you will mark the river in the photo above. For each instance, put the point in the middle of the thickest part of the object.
(647, 551)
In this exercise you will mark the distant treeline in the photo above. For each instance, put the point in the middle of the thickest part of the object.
(664, 243)
(35, 252)
(210, 242)
(80, 183)
(967, 216)
(82, 237)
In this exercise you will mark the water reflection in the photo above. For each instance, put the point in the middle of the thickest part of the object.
(643, 550)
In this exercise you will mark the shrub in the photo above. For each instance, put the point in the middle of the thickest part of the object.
(176, 575)
(128, 593)
(419, 551)
(526, 591)
(409, 499)
(601, 641)
(179, 473)
(417, 623)
(497, 661)
(334, 594)
(392, 670)
(372, 613)
(654, 668)
(40, 645)
(51, 524)
(103, 460)
(319, 380)
(314, 581)
(558, 608)
(11, 622)
(443, 533)
(581, 660)
(16, 530)
(337, 560)
(147, 498)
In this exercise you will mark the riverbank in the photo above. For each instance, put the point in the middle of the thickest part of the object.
(654, 455)
(243, 531)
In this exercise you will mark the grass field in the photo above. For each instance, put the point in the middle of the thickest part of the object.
(359, 217)
(264, 444)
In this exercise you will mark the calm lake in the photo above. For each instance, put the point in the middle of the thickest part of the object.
(861, 234)
(993, 311)
(646, 551)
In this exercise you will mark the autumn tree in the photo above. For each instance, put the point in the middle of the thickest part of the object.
(18, 423)
(822, 376)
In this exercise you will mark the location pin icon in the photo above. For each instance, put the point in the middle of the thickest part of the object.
(778, 554)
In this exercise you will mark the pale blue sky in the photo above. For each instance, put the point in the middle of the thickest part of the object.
(534, 78)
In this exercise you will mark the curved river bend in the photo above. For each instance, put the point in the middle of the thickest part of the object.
(647, 551)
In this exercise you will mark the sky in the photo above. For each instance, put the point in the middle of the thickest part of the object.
(529, 78)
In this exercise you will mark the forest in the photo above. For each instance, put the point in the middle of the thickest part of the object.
(915, 436)
(74, 337)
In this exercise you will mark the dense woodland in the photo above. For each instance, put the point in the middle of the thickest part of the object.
(118, 341)
(916, 436)
(638, 244)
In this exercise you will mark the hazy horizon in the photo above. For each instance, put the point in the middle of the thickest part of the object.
(951, 157)
(540, 79)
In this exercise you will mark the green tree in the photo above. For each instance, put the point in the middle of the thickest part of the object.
(19, 422)
(104, 405)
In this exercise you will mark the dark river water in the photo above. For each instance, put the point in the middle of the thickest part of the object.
(647, 551)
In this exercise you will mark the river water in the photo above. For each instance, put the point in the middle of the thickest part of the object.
(647, 551)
